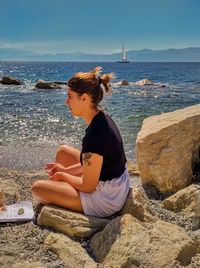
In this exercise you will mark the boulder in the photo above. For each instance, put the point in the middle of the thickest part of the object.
(144, 82)
(71, 223)
(138, 206)
(7, 80)
(168, 147)
(42, 84)
(126, 242)
(186, 200)
(69, 251)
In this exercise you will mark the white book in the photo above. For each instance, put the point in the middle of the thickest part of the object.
(20, 211)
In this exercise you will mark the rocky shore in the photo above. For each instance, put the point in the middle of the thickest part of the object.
(28, 244)
(158, 226)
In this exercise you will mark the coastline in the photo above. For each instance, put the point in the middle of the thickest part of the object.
(24, 241)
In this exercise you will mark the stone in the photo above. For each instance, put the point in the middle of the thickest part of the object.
(167, 149)
(10, 189)
(42, 84)
(7, 80)
(186, 200)
(133, 169)
(27, 264)
(2, 200)
(124, 83)
(138, 206)
(144, 82)
(69, 251)
(127, 242)
(69, 222)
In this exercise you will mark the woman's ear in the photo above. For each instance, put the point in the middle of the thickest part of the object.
(85, 97)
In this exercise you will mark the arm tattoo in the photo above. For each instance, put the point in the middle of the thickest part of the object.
(86, 158)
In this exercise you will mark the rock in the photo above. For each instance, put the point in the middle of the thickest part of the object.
(133, 169)
(70, 252)
(7, 80)
(126, 242)
(47, 85)
(71, 223)
(2, 200)
(10, 189)
(168, 148)
(27, 264)
(124, 83)
(144, 82)
(138, 206)
(186, 200)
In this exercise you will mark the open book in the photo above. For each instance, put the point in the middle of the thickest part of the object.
(20, 211)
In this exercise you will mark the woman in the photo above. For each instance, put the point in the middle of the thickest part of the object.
(94, 180)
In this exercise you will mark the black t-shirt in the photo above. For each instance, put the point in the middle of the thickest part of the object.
(102, 137)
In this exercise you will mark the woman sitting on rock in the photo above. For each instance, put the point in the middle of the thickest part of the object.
(95, 180)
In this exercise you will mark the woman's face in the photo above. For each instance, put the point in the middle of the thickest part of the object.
(74, 102)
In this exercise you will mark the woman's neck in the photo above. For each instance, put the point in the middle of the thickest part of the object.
(90, 114)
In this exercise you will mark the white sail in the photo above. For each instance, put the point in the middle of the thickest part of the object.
(123, 55)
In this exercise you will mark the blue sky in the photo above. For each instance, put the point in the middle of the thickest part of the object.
(54, 26)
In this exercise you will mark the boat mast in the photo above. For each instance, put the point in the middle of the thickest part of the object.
(123, 53)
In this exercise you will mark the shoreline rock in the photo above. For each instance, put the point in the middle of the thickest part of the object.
(8, 80)
(168, 148)
(42, 84)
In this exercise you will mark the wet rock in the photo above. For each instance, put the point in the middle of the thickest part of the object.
(7, 80)
(168, 148)
(71, 223)
(42, 84)
(124, 83)
(144, 82)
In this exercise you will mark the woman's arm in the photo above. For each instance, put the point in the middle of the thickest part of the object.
(92, 164)
(76, 169)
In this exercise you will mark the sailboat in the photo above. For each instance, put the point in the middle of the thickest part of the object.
(123, 56)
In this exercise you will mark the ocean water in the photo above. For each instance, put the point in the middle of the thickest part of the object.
(34, 122)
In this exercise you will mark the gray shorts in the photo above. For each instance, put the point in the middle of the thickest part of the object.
(108, 198)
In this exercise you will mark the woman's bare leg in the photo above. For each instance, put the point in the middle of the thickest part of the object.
(67, 156)
(57, 193)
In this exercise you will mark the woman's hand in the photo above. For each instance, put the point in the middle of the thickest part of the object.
(58, 176)
(52, 168)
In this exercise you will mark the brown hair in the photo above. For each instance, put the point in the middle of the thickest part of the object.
(91, 84)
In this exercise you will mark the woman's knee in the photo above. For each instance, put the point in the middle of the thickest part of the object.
(67, 155)
(37, 185)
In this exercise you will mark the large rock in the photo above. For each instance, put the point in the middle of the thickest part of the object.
(7, 80)
(168, 148)
(126, 242)
(69, 251)
(138, 206)
(186, 200)
(71, 223)
(47, 85)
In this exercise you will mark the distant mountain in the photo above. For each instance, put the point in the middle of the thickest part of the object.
(191, 54)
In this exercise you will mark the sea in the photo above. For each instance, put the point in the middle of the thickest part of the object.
(34, 122)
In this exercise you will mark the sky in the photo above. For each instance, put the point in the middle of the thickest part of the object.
(91, 26)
